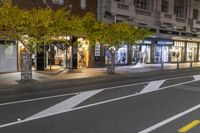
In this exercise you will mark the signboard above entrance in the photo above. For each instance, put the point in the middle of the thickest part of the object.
(164, 43)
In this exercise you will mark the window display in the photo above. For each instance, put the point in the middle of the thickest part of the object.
(191, 52)
(8, 58)
(161, 54)
(144, 56)
(120, 55)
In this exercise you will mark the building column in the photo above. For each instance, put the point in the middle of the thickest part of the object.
(40, 60)
(129, 54)
(74, 64)
(198, 52)
(185, 51)
(152, 54)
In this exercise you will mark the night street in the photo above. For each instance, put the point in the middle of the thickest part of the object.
(159, 106)
(100, 66)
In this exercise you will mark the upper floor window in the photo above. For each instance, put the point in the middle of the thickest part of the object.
(58, 2)
(142, 4)
(165, 6)
(83, 4)
(178, 11)
(195, 13)
(123, 1)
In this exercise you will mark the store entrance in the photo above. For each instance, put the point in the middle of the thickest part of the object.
(56, 56)
(161, 54)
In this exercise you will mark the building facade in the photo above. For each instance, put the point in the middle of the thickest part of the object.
(55, 55)
(176, 24)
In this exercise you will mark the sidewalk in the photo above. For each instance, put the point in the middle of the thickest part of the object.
(7, 79)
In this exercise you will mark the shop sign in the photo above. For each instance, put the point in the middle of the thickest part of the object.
(97, 50)
(148, 42)
(164, 43)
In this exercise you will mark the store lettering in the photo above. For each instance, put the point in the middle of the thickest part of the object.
(97, 50)
(147, 42)
(165, 43)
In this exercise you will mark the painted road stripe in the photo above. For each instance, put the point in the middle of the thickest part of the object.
(91, 105)
(152, 86)
(196, 77)
(189, 126)
(152, 128)
(37, 99)
(67, 104)
(49, 97)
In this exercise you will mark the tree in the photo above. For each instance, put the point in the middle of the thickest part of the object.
(113, 36)
(36, 27)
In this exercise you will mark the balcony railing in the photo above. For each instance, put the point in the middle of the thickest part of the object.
(182, 20)
(169, 16)
(143, 12)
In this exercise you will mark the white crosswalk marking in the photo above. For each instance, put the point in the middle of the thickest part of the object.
(152, 86)
(196, 77)
(67, 104)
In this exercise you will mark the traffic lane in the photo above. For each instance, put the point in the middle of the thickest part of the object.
(71, 86)
(129, 115)
(176, 81)
(12, 112)
(114, 93)
(43, 91)
(177, 124)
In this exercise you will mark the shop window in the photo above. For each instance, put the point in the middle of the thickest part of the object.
(144, 56)
(58, 2)
(135, 55)
(178, 11)
(177, 51)
(83, 4)
(8, 58)
(191, 53)
(195, 13)
(165, 6)
(142, 4)
(120, 55)
(83, 53)
(122, 1)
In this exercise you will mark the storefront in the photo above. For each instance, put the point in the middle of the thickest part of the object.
(60, 55)
(8, 57)
(162, 50)
(177, 51)
(157, 50)
(192, 51)
(83, 53)
(121, 55)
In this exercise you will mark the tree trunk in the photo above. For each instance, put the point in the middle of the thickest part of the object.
(26, 67)
(111, 64)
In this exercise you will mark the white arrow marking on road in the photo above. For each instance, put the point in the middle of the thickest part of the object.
(152, 86)
(67, 104)
(196, 77)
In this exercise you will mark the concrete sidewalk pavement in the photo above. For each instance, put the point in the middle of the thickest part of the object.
(7, 79)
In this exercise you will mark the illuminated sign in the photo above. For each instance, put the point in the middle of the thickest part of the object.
(97, 50)
(147, 42)
(164, 43)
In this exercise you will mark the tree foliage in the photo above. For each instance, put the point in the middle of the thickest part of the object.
(38, 26)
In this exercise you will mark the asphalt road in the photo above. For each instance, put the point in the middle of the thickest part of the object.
(150, 106)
